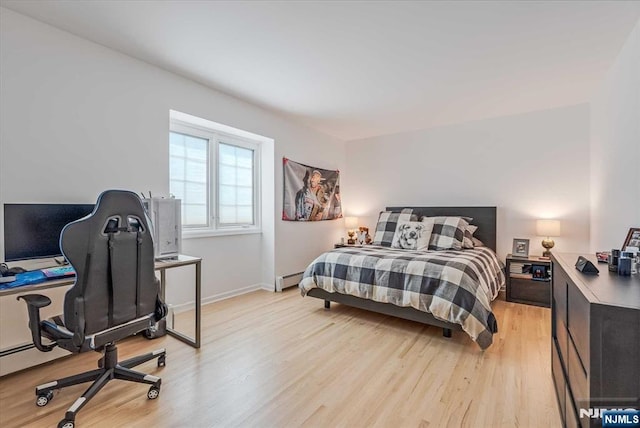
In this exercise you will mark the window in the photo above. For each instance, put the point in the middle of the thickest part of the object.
(189, 171)
(214, 170)
(235, 184)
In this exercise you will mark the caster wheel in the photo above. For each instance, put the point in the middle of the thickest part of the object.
(153, 393)
(43, 399)
(66, 423)
(162, 361)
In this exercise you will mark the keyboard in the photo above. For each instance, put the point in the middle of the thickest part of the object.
(59, 272)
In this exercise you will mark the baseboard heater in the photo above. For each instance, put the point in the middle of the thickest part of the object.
(16, 349)
(287, 281)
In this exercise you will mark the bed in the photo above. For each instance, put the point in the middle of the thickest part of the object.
(450, 289)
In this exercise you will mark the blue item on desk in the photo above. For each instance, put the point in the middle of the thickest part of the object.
(59, 272)
(27, 278)
(38, 276)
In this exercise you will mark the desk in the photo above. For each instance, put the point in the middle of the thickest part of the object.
(160, 266)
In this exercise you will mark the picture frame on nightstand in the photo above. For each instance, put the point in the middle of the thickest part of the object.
(520, 247)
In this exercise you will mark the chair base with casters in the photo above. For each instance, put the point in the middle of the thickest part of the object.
(108, 366)
(108, 369)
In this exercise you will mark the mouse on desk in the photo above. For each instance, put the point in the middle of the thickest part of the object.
(9, 275)
(15, 270)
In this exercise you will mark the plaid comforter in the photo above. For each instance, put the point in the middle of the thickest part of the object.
(454, 286)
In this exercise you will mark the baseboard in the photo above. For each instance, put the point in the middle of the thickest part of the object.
(27, 358)
(188, 306)
(267, 287)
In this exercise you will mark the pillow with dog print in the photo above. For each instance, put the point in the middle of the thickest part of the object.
(388, 224)
(412, 235)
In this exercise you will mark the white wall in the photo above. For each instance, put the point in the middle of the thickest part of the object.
(615, 150)
(530, 166)
(78, 118)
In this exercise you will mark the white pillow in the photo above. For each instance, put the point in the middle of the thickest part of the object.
(412, 235)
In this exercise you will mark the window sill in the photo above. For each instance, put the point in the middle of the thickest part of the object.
(193, 234)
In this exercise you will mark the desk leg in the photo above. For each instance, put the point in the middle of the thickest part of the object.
(198, 302)
(180, 336)
(163, 289)
(163, 283)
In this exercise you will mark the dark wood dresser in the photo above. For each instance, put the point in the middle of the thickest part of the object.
(595, 349)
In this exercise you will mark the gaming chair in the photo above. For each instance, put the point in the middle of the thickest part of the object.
(115, 295)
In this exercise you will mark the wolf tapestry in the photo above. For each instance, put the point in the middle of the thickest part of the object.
(310, 194)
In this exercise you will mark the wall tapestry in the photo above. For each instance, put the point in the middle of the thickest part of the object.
(310, 193)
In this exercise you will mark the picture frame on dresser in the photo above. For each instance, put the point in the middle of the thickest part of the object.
(632, 239)
(520, 247)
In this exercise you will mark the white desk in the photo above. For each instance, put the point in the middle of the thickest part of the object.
(58, 286)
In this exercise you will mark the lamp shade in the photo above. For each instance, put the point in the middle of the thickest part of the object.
(351, 222)
(548, 228)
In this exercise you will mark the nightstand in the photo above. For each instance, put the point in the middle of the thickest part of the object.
(529, 280)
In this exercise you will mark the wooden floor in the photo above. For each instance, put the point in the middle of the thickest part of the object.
(280, 360)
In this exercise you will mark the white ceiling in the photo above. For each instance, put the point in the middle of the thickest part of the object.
(359, 69)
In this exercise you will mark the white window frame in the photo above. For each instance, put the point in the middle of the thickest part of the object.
(215, 134)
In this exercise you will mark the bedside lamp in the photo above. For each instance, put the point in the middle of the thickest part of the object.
(351, 223)
(548, 228)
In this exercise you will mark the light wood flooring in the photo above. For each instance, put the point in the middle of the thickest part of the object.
(280, 360)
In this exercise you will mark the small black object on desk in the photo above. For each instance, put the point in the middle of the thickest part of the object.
(586, 267)
(6, 271)
(624, 266)
(16, 270)
(613, 260)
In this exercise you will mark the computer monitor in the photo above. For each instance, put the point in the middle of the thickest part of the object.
(32, 231)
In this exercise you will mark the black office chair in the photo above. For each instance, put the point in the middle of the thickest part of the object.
(115, 295)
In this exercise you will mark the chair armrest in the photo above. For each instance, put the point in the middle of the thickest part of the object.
(37, 300)
(34, 303)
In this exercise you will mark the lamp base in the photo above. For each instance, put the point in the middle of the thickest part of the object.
(548, 244)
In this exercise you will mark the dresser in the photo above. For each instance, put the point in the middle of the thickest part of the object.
(595, 334)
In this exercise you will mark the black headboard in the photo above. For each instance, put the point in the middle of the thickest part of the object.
(483, 217)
